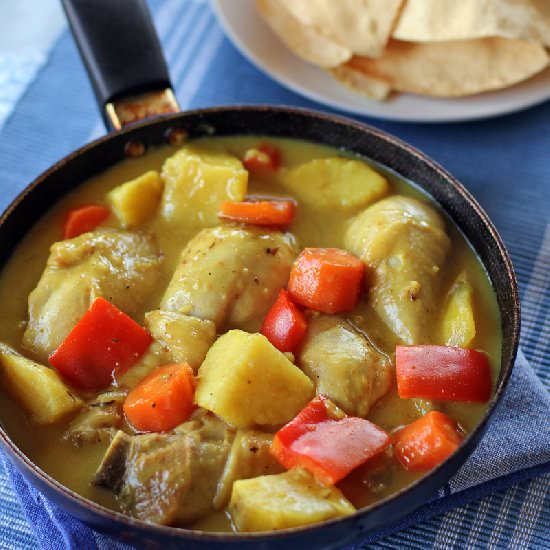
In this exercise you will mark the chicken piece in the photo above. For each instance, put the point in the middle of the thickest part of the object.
(403, 242)
(99, 420)
(168, 478)
(178, 338)
(186, 338)
(156, 356)
(249, 457)
(120, 266)
(344, 365)
(230, 274)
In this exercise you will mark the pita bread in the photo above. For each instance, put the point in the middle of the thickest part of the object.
(454, 68)
(363, 26)
(443, 20)
(374, 88)
(304, 41)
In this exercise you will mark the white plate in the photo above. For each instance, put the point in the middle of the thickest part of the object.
(259, 44)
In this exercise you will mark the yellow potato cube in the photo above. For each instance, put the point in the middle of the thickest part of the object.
(247, 381)
(39, 389)
(197, 181)
(283, 501)
(335, 183)
(458, 326)
(135, 201)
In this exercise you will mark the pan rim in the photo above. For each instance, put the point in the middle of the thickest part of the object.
(202, 536)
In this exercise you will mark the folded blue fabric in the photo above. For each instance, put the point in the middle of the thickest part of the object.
(505, 162)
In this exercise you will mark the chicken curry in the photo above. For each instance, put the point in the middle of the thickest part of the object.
(244, 333)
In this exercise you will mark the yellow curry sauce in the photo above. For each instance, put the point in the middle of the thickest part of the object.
(74, 466)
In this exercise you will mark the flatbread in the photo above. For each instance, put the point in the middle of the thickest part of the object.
(363, 26)
(373, 88)
(455, 68)
(303, 40)
(443, 20)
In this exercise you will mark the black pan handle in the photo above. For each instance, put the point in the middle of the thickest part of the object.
(122, 54)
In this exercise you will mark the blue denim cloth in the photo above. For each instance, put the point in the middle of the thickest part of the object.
(505, 162)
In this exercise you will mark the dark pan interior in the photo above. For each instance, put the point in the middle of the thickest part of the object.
(328, 130)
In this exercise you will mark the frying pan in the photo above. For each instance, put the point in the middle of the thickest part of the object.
(122, 53)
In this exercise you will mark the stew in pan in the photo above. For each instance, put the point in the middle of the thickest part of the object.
(244, 333)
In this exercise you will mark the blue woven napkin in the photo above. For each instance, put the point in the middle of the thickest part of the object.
(506, 164)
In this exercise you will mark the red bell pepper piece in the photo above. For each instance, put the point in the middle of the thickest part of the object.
(284, 325)
(264, 158)
(330, 446)
(442, 373)
(83, 219)
(105, 340)
(326, 279)
(273, 212)
(426, 442)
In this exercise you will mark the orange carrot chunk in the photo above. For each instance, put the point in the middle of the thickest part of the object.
(83, 219)
(273, 212)
(264, 158)
(427, 442)
(103, 342)
(326, 279)
(162, 400)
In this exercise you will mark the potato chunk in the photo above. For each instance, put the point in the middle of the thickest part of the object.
(186, 338)
(458, 326)
(335, 183)
(38, 388)
(247, 382)
(196, 182)
(135, 201)
(249, 457)
(283, 501)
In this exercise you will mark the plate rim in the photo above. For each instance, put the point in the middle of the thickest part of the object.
(219, 7)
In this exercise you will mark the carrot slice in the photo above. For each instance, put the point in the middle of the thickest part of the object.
(426, 442)
(274, 212)
(264, 158)
(83, 219)
(326, 279)
(284, 325)
(329, 446)
(162, 400)
(442, 373)
(103, 342)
